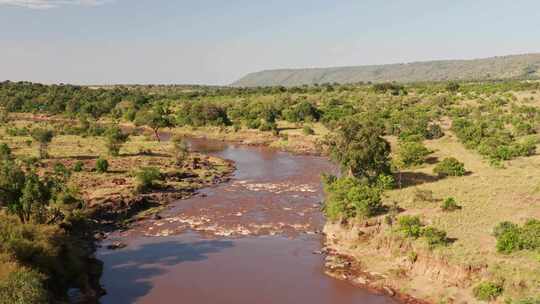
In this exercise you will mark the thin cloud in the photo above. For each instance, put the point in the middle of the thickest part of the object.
(47, 4)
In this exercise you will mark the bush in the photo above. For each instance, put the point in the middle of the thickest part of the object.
(450, 167)
(78, 166)
(509, 241)
(348, 197)
(487, 291)
(511, 237)
(410, 226)
(504, 227)
(44, 260)
(413, 153)
(450, 204)
(22, 287)
(307, 130)
(115, 139)
(385, 182)
(435, 237)
(530, 235)
(434, 131)
(147, 178)
(102, 165)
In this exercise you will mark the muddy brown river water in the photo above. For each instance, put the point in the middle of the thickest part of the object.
(249, 241)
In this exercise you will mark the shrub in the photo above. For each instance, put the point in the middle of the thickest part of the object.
(511, 237)
(450, 204)
(410, 226)
(42, 249)
(413, 153)
(450, 167)
(530, 235)
(385, 182)
(435, 237)
(434, 131)
(102, 165)
(509, 241)
(78, 166)
(487, 291)
(348, 197)
(503, 227)
(307, 130)
(147, 178)
(22, 287)
(115, 139)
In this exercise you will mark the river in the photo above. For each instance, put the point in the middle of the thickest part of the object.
(253, 240)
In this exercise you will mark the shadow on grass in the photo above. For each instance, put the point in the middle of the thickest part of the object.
(129, 272)
(410, 179)
(288, 128)
(79, 157)
(145, 154)
(432, 160)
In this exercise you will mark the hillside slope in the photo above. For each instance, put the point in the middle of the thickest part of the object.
(504, 67)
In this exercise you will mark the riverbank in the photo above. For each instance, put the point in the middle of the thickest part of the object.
(486, 196)
(290, 137)
(112, 198)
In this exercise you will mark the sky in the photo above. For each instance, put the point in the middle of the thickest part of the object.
(219, 41)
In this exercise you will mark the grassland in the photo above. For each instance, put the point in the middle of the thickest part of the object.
(487, 195)
(118, 185)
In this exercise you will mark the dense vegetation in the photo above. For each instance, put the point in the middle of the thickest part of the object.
(42, 232)
(377, 134)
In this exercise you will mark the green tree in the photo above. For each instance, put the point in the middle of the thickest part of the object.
(360, 149)
(115, 139)
(12, 180)
(44, 138)
(156, 118)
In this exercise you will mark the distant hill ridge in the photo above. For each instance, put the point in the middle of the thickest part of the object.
(502, 67)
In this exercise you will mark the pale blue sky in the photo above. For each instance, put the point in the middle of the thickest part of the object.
(216, 42)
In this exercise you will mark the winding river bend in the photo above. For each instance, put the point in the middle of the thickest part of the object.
(251, 240)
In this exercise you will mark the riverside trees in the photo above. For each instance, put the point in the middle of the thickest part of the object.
(360, 150)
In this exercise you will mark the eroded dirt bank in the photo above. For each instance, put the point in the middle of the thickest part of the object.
(370, 257)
